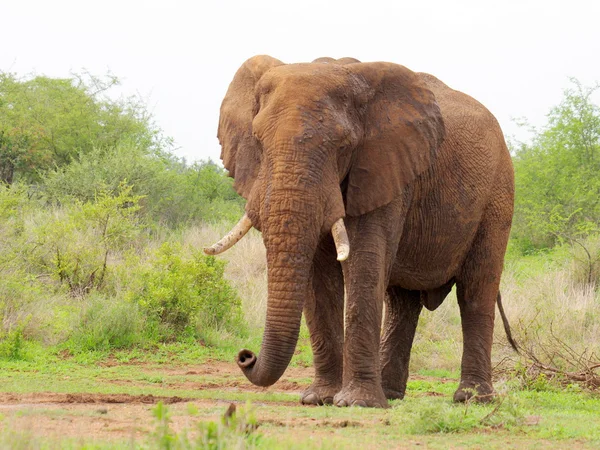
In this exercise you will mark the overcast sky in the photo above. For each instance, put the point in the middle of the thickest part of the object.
(514, 56)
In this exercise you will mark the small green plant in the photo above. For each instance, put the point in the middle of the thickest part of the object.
(236, 429)
(163, 436)
(11, 345)
(540, 383)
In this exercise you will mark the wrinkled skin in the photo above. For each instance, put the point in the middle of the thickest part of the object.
(423, 179)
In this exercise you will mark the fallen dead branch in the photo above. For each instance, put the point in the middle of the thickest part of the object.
(555, 360)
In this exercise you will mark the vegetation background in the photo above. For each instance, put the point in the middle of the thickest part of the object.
(102, 229)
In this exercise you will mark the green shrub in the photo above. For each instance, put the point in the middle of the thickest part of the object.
(89, 272)
(12, 199)
(11, 344)
(14, 207)
(182, 295)
(173, 192)
(49, 122)
(76, 244)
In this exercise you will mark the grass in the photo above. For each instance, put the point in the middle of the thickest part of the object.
(425, 418)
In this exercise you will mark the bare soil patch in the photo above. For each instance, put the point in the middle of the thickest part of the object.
(89, 420)
(95, 416)
(61, 398)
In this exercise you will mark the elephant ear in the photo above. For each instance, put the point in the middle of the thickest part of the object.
(240, 150)
(403, 129)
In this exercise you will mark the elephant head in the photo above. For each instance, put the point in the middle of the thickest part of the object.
(307, 145)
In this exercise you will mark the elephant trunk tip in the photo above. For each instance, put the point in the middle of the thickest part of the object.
(245, 359)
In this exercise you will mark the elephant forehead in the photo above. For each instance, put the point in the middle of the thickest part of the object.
(306, 77)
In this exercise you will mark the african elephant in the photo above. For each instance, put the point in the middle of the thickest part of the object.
(366, 179)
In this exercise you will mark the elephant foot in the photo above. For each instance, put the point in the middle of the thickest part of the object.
(394, 394)
(319, 394)
(479, 392)
(361, 395)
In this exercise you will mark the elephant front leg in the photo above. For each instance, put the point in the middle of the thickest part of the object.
(361, 383)
(401, 318)
(373, 245)
(324, 312)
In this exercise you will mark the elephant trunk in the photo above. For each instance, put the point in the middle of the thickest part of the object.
(291, 239)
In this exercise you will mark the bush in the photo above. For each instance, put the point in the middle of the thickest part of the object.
(89, 272)
(75, 245)
(78, 258)
(48, 122)
(19, 288)
(11, 344)
(14, 207)
(172, 193)
(183, 295)
(107, 323)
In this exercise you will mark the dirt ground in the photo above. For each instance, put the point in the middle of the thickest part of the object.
(101, 417)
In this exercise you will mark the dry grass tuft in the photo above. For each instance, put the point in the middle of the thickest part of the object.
(551, 302)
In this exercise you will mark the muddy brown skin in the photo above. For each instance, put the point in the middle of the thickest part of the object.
(424, 181)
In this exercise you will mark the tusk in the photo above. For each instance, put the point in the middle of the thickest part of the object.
(340, 237)
(231, 238)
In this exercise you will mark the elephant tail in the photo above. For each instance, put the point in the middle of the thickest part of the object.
(511, 340)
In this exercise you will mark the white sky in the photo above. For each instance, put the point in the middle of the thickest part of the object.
(515, 56)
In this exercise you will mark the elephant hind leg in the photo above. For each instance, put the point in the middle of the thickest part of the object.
(477, 290)
(402, 309)
(477, 317)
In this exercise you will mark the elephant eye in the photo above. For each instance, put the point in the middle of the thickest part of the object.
(256, 131)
